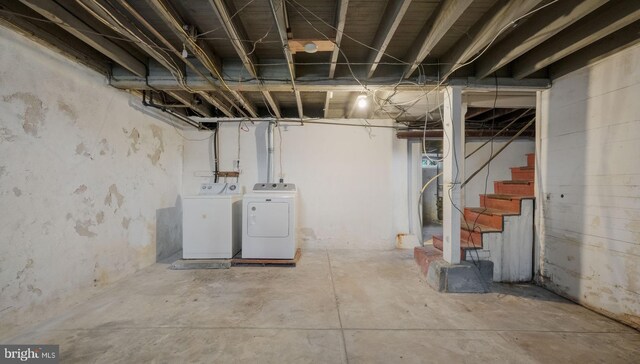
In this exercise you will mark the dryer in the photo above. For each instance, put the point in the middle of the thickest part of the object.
(269, 221)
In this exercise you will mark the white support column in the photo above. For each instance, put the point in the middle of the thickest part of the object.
(453, 171)
(414, 169)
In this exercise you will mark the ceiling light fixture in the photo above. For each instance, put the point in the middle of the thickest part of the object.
(310, 47)
(362, 101)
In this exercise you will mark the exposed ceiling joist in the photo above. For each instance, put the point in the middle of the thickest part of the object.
(237, 33)
(104, 12)
(341, 17)
(606, 46)
(390, 21)
(275, 108)
(591, 28)
(56, 13)
(217, 102)
(542, 26)
(52, 37)
(432, 32)
(279, 16)
(124, 80)
(473, 112)
(327, 104)
(483, 32)
(200, 50)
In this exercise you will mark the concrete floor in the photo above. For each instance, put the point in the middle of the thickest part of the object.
(336, 306)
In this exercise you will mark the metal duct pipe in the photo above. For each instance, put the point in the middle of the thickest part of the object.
(270, 152)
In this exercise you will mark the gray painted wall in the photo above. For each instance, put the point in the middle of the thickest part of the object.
(588, 178)
(88, 184)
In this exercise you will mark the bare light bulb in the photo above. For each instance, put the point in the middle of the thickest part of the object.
(184, 51)
(362, 101)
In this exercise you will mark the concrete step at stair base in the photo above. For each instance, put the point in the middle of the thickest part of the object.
(424, 255)
(522, 173)
(522, 188)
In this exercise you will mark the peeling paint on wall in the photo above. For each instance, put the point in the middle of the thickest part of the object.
(100, 217)
(6, 135)
(104, 146)
(82, 150)
(82, 228)
(80, 190)
(157, 134)
(33, 116)
(69, 110)
(135, 141)
(49, 196)
(113, 192)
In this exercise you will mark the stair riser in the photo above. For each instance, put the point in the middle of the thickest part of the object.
(471, 237)
(522, 175)
(513, 189)
(438, 244)
(531, 160)
(484, 219)
(494, 203)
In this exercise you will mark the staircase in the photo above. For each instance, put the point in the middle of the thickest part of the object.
(500, 230)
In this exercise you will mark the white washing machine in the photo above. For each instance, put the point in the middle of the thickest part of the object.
(212, 222)
(269, 222)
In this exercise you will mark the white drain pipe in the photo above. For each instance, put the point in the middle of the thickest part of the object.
(270, 152)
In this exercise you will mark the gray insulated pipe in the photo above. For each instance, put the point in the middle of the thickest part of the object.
(270, 152)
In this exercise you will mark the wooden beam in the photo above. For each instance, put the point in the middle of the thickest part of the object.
(341, 17)
(432, 32)
(275, 108)
(299, 104)
(327, 103)
(591, 28)
(123, 79)
(542, 26)
(483, 32)
(54, 12)
(200, 49)
(391, 19)
(217, 102)
(613, 43)
(237, 33)
(51, 36)
(107, 14)
(279, 17)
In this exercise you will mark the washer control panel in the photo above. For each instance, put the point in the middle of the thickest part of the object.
(274, 187)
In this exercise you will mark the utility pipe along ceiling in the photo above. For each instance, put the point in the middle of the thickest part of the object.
(305, 59)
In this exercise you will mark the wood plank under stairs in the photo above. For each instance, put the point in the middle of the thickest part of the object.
(500, 229)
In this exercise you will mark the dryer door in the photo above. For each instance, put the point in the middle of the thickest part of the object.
(268, 219)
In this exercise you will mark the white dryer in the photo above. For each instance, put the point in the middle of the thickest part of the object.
(269, 222)
(211, 222)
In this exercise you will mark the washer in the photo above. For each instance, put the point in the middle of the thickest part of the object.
(269, 222)
(212, 222)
